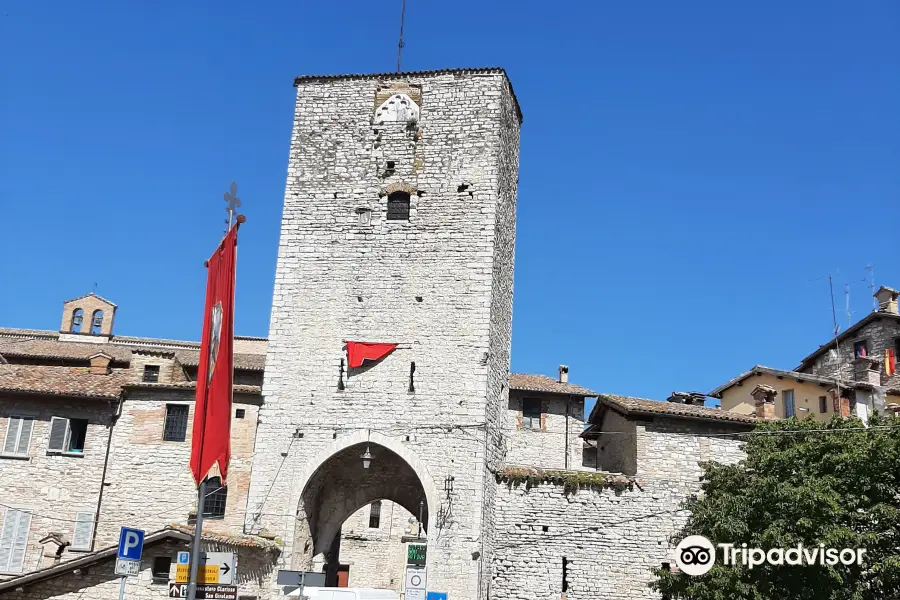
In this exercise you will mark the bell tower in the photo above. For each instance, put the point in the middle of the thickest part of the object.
(398, 228)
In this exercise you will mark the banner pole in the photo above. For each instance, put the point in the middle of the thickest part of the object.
(198, 537)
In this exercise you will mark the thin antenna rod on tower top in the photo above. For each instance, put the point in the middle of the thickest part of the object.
(871, 271)
(400, 45)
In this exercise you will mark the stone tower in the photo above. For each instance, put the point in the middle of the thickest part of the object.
(399, 227)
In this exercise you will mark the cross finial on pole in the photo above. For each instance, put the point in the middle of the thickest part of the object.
(234, 203)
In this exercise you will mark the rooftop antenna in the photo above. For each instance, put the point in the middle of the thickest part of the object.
(234, 203)
(871, 278)
(95, 288)
(847, 304)
(837, 346)
(400, 45)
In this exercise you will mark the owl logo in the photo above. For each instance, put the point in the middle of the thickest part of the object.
(215, 337)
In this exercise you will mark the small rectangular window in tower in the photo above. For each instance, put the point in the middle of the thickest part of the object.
(398, 207)
(531, 413)
(175, 429)
(240, 413)
(375, 515)
(151, 373)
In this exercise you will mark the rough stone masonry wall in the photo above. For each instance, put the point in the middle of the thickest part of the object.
(555, 445)
(880, 334)
(610, 540)
(426, 283)
(149, 484)
(53, 486)
(377, 557)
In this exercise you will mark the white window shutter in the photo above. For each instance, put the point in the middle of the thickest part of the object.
(59, 434)
(6, 537)
(84, 528)
(20, 542)
(14, 540)
(25, 429)
(12, 435)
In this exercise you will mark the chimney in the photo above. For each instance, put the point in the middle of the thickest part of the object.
(563, 374)
(764, 399)
(867, 370)
(887, 300)
(692, 398)
(100, 364)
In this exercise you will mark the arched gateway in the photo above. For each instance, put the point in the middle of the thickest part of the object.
(336, 483)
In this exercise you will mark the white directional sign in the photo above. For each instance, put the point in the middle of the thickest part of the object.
(129, 568)
(415, 583)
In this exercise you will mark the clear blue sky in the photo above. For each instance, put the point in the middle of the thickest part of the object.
(689, 171)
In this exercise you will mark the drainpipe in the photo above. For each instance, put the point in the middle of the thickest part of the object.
(566, 445)
(114, 418)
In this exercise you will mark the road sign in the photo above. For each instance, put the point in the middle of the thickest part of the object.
(214, 568)
(128, 568)
(204, 592)
(184, 558)
(415, 554)
(307, 578)
(415, 583)
(436, 596)
(131, 544)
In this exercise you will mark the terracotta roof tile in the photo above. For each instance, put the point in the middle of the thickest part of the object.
(189, 385)
(630, 405)
(542, 383)
(243, 362)
(77, 382)
(247, 541)
(54, 349)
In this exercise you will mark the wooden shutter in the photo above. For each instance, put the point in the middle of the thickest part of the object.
(12, 435)
(59, 434)
(24, 436)
(14, 540)
(84, 527)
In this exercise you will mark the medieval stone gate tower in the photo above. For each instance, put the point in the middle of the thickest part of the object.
(398, 226)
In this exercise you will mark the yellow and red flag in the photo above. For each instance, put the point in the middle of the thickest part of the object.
(211, 442)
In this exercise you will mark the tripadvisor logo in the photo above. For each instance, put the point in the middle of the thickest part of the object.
(696, 555)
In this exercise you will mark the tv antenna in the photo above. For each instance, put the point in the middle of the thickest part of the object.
(871, 278)
(400, 45)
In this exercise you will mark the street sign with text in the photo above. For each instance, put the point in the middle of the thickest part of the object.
(415, 583)
(128, 568)
(214, 568)
(204, 592)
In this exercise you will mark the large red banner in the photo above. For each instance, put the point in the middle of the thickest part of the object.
(211, 442)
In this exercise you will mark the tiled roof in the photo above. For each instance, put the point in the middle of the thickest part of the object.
(189, 385)
(808, 361)
(642, 406)
(16, 332)
(243, 362)
(462, 71)
(246, 541)
(542, 383)
(54, 349)
(73, 382)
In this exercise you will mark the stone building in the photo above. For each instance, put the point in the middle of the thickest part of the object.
(399, 229)
(96, 432)
(852, 375)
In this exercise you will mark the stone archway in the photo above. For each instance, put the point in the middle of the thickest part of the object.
(336, 485)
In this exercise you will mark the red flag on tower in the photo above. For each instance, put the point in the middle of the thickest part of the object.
(211, 442)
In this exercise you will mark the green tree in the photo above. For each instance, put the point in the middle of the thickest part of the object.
(822, 485)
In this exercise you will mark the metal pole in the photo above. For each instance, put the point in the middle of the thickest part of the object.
(122, 589)
(198, 536)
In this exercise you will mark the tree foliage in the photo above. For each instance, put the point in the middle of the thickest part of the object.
(823, 485)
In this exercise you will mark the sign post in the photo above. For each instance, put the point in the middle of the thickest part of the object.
(128, 558)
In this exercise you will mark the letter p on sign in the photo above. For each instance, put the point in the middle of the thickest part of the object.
(131, 544)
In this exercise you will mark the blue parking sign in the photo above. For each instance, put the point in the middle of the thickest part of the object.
(131, 544)
(436, 596)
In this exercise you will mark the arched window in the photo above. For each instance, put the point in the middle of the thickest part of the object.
(77, 318)
(398, 206)
(375, 515)
(97, 321)
(216, 497)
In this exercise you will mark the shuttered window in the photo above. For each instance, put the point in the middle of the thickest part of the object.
(14, 540)
(59, 434)
(18, 436)
(83, 531)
